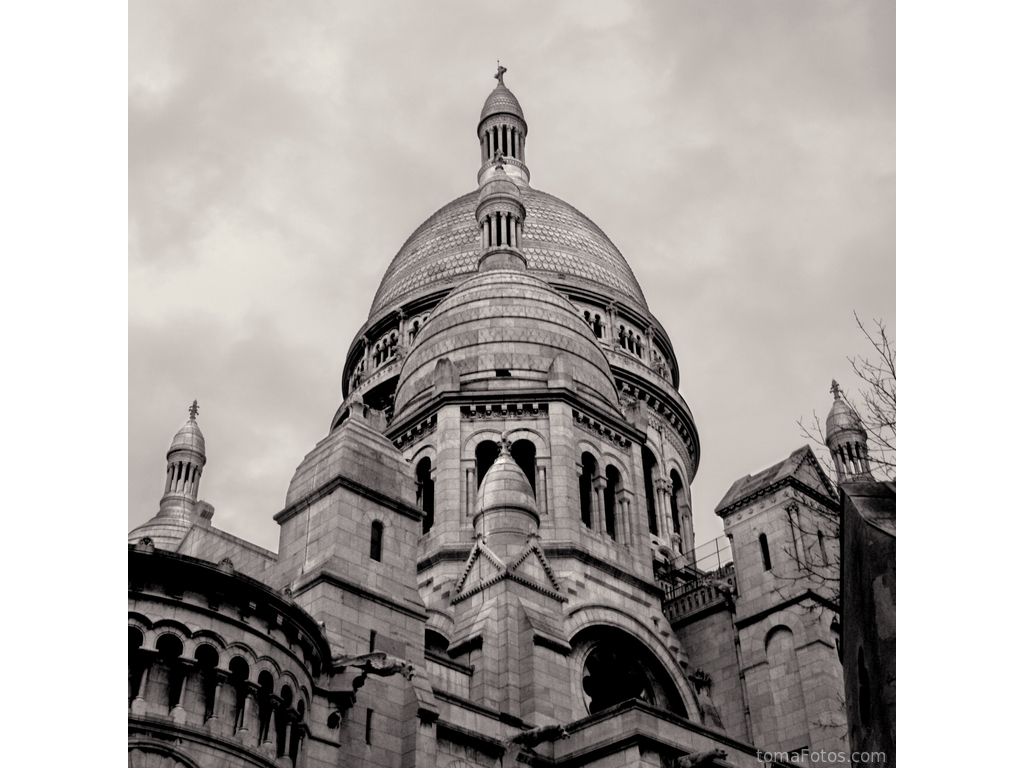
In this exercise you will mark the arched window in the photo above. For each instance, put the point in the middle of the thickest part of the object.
(611, 493)
(821, 548)
(376, 540)
(264, 705)
(206, 660)
(677, 486)
(425, 493)
(293, 748)
(167, 673)
(650, 463)
(525, 455)
(622, 336)
(281, 718)
(486, 453)
(784, 680)
(766, 558)
(587, 489)
(238, 675)
(597, 326)
(136, 662)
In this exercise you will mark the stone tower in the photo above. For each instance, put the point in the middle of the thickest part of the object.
(783, 526)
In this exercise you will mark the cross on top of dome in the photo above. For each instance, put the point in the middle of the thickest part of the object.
(193, 410)
(501, 74)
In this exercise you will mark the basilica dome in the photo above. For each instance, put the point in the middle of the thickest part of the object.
(559, 243)
(504, 329)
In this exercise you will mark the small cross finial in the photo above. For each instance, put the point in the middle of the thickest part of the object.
(506, 444)
(501, 74)
(835, 390)
(193, 410)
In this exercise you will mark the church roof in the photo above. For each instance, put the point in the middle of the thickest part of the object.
(501, 101)
(558, 242)
(800, 469)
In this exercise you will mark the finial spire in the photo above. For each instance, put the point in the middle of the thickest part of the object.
(835, 390)
(501, 74)
(506, 444)
(193, 410)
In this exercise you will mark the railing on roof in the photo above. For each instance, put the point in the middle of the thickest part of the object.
(690, 588)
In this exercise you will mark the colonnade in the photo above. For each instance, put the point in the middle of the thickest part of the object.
(183, 477)
(500, 228)
(507, 139)
(256, 726)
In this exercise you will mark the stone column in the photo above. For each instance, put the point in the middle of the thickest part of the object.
(664, 524)
(139, 702)
(244, 716)
(599, 483)
(627, 525)
(401, 329)
(366, 353)
(291, 716)
(542, 489)
(471, 491)
(184, 667)
(219, 676)
(269, 743)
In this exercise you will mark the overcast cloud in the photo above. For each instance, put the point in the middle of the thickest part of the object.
(740, 154)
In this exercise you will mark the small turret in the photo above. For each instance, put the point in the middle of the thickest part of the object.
(500, 213)
(507, 511)
(502, 134)
(185, 461)
(847, 440)
(179, 504)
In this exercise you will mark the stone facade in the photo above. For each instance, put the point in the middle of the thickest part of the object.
(490, 556)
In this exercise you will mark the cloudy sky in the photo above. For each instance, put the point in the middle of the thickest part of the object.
(742, 156)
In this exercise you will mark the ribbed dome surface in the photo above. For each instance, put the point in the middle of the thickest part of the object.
(189, 437)
(504, 320)
(557, 240)
(501, 101)
(842, 417)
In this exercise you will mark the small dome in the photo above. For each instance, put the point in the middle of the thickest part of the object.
(843, 416)
(502, 330)
(505, 486)
(189, 437)
(500, 185)
(501, 101)
(165, 531)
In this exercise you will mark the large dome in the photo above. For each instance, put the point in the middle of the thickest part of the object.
(507, 321)
(559, 243)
